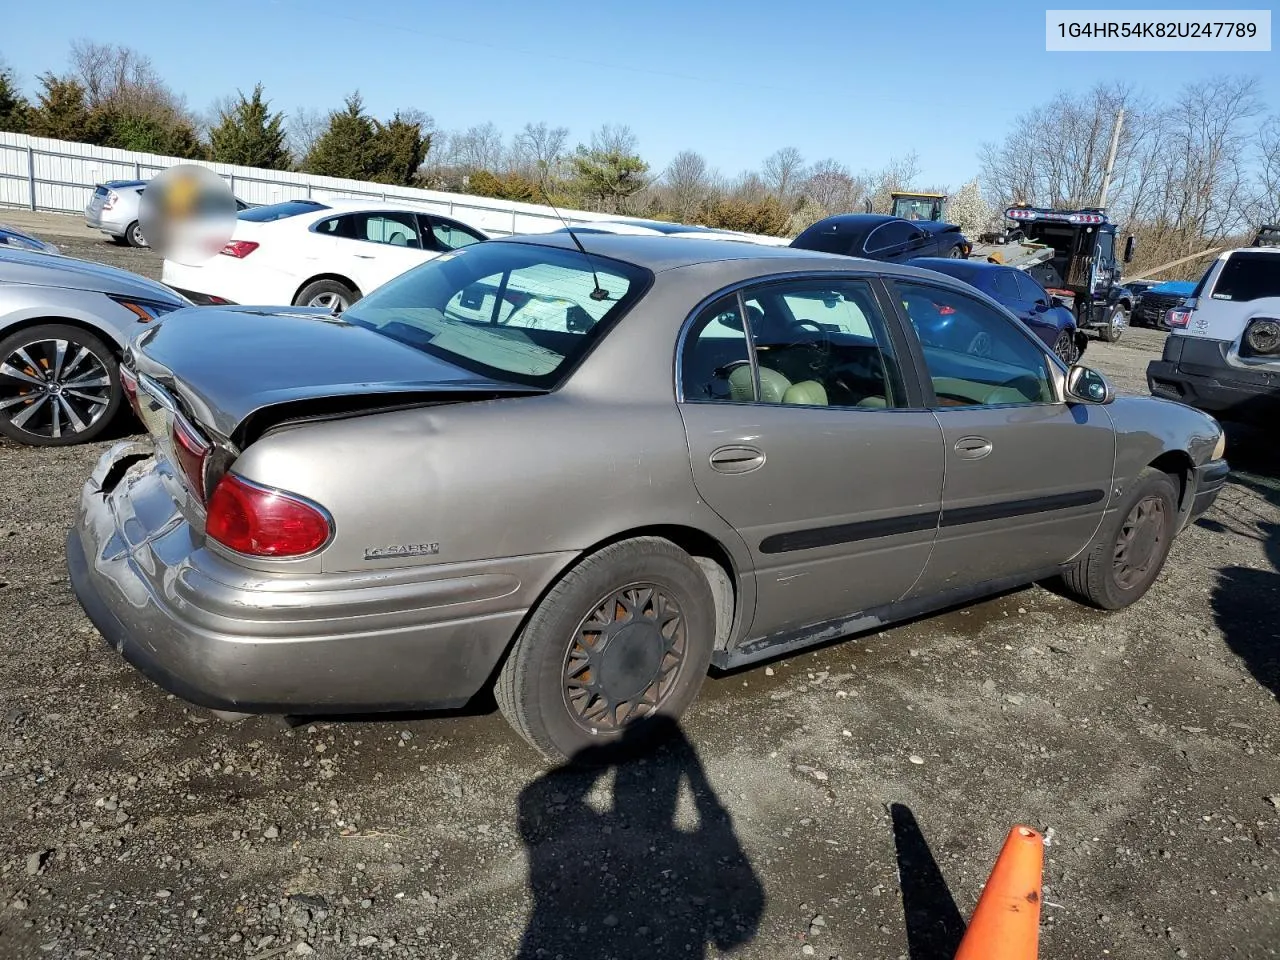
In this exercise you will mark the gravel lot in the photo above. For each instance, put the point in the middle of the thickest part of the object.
(867, 786)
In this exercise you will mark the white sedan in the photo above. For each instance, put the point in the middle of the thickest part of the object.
(318, 253)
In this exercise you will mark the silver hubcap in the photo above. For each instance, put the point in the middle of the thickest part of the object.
(334, 302)
(53, 388)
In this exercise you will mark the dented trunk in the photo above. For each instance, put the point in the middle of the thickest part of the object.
(235, 372)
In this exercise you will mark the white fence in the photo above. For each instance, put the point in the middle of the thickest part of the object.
(59, 176)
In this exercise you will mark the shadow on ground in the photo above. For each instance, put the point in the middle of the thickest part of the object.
(1245, 602)
(634, 873)
(934, 924)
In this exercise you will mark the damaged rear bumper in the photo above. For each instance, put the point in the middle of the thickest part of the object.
(230, 638)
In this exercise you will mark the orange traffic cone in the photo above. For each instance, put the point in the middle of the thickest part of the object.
(1006, 921)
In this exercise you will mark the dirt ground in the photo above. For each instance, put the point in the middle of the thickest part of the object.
(844, 803)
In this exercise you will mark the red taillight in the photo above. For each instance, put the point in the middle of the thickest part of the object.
(261, 522)
(1178, 317)
(190, 450)
(129, 383)
(111, 200)
(239, 248)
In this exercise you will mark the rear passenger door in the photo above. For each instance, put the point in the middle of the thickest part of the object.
(1027, 475)
(805, 436)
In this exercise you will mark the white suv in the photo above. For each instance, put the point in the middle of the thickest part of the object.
(1223, 351)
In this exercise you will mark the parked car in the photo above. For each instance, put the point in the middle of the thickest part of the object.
(309, 253)
(116, 206)
(879, 237)
(14, 239)
(1153, 303)
(64, 324)
(1223, 349)
(653, 228)
(429, 494)
(1018, 292)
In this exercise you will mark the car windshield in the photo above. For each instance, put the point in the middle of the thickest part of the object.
(517, 312)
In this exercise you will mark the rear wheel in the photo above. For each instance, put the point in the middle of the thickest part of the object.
(133, 236)
(1130, 549)
(119, 241)
(332, 295)
(1113, 328)
(625, 635)
(59, 385)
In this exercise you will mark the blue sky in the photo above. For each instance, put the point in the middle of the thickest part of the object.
(858, 81)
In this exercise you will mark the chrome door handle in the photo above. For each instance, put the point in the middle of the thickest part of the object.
(973, 448)
(737, 458)
(364, 256)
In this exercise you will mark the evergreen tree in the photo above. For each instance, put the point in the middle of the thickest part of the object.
(400, 146)
(608, 176)
(169, 136)
(250, 135)
(347, 147)
(13, 105)
(61, 111)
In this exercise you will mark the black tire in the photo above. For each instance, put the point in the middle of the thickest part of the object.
(956, 253)
(133, 236)
(549, 658)
(1065, 347)
(330, 294)
(1113, 328)
(1097, 577)
(119, 241)
(86, 361)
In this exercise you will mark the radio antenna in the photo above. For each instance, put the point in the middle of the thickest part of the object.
(599, 293)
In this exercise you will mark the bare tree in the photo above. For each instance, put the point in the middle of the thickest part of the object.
(539, 149)
(832, 188)
(687, 181)
(479, 147)
(781, 171)
(616, 139)
(1267, 202)
(120, 78)
(302, 129)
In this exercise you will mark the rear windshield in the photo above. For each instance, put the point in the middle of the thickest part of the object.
(514, 312)
(279, 211)
(1248, 276)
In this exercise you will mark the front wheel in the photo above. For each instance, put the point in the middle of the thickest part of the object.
(59, 385)
(1115, 323)
(625, 635)
(1065, 348)
(1130, 549)
(957, 253)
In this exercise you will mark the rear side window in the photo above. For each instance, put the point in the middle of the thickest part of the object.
(281, 211)
(1006, 287)
(1248, 276)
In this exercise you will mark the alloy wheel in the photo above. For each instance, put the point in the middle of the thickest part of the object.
(1140, 541)
(625, 657)
(333, 302)
(53, 388)
(1066, 349)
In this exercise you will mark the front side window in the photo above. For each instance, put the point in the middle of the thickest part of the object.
(1006, 287)
(890, 235)
(975, 355)
(515, 312)
(805, 342)
(1248, 276)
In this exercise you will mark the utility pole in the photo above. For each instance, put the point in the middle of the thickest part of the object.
(1111, 159)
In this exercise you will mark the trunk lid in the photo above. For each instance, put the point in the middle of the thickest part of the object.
(235, 371)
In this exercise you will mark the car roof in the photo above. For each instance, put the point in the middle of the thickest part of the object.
(957, 266)
(856, 220)
(123, 183)
(659, 254)
(355, 204)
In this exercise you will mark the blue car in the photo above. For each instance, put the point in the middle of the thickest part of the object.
(1019, 293)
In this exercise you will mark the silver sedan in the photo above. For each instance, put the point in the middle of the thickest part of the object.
(584, 476)
(64, 324)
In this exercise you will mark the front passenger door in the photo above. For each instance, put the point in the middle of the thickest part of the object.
(1027, 475)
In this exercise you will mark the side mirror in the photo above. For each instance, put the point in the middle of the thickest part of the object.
(1129, 244)
(1085, 385)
